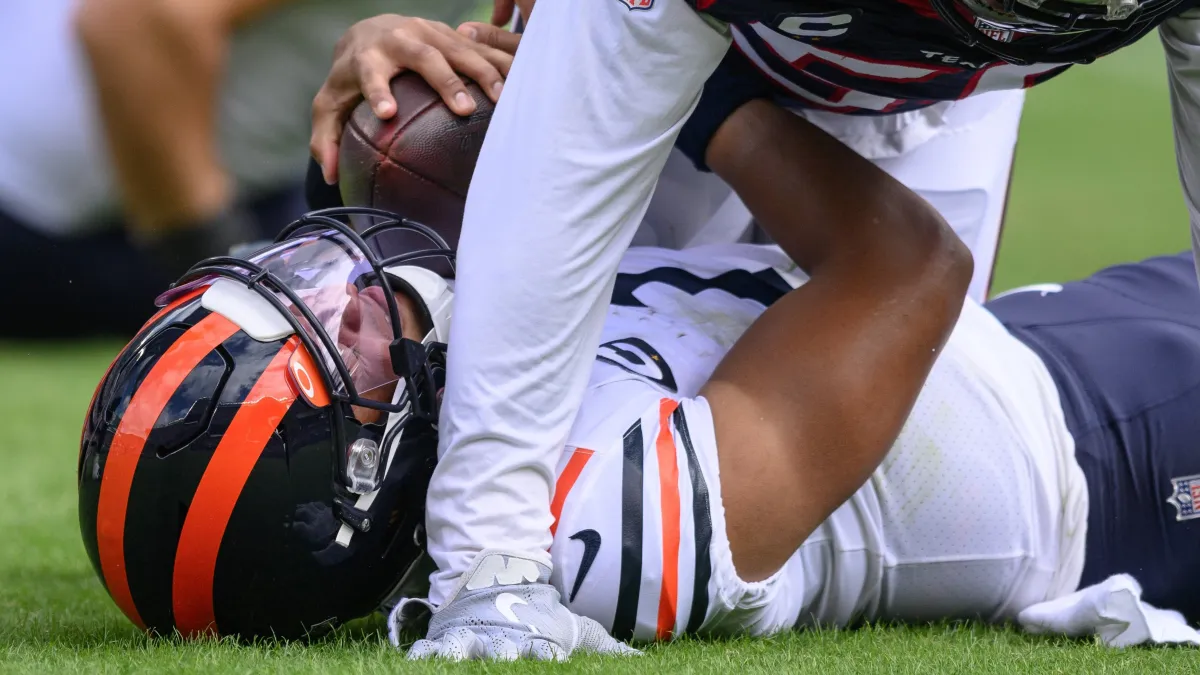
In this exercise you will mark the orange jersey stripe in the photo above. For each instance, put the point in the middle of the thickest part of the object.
(148, 402)
(218, 492)
(566, 481)
(668, 481)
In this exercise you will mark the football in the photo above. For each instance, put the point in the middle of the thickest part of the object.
(417, 164)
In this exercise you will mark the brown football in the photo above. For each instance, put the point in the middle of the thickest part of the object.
(417, 164)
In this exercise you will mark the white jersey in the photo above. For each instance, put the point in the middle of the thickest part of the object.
(597, 96)
(978, 510)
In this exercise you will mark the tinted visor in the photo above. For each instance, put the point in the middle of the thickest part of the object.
(350, 303)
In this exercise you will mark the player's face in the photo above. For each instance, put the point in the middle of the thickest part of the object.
(329, 275)
(364, 340)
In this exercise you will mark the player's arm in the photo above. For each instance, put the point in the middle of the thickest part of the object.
(1181, 42)
(809, 400)
(503, 10)
(157, 66)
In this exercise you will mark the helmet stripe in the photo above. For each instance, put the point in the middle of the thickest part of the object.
(92, 406)
(157, 315)
(126, 449)
(218, 492)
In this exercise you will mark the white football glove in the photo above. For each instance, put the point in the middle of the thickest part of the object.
(504, 608)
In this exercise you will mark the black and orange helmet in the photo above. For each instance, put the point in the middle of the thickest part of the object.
(245, 469)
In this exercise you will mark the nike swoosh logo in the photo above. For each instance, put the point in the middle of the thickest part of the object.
(591, 547)
(1041, 289)
(636, 356)
(504, 605)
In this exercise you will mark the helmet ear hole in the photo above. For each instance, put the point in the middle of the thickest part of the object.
(399, 284)
(131, 369)
(183, 421)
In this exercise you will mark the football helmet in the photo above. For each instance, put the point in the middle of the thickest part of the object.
(255, 462)
(1053, 31)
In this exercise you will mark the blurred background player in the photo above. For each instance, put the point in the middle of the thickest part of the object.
(139, 136)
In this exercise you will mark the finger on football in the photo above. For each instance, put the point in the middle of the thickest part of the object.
(327, 124)
(375, 73)
(492, 36)
(429, 61)
(476, 67)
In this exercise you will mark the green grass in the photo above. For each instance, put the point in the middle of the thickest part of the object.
(1095, 184)
(1095, 181)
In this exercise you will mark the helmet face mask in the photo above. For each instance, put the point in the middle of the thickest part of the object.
(322, 276)
(304, 398)
(1052, 17)
(1082, 30)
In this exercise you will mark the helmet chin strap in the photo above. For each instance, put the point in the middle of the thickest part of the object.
(437, 300)
(433, 292)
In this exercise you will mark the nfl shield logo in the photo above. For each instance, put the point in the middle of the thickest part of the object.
(992, 32)
(637, 4)
(1186, 497)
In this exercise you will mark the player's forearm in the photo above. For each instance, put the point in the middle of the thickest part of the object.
(1181, 43)
(826, 377)
(589, 114)
(799, 179)
(157, 67)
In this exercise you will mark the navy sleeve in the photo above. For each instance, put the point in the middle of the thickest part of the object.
(735, 83)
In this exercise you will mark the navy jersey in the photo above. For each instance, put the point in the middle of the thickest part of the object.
(1123, 347)
(882, 56)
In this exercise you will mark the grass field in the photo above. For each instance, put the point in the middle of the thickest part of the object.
(1095, 184)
